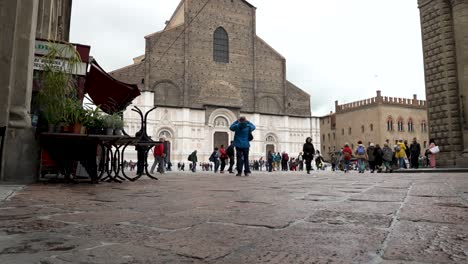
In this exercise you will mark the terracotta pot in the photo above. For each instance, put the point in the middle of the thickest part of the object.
(75, 128)
(66, 129)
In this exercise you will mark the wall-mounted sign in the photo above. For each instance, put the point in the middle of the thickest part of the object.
(60, 65)
(64, 51)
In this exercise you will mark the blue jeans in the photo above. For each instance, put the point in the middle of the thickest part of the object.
(402, 162)
(243, 160)
(346, 165)
(361, 165)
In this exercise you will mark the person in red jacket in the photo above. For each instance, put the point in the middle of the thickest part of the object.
(159, 157)
(347, 155)
(223, 157)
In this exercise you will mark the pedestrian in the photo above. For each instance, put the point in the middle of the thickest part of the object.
(319, 161)
(347, 154)
(371, 157)
(231, 152)
(284, 161)
(242, 136)
(432, 153)
(261, 163)
(407, 153)
(378, 158)
(270, 161)
(400, 153)
(278, 161)
(308, 150)
(334, 161)
(387, 156)
(361, 156)
(158, 153)
(223, 157)
(415, 152)
(300, 161)
(215, 159)
(182, 167)
(193, 158)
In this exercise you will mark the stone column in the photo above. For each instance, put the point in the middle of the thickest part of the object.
(20, 154)
(460, 26)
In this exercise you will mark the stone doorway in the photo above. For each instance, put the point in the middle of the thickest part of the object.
(269, 147)
(167, 148)
(220, 138)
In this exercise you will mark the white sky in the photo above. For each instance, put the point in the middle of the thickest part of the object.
(335, 49)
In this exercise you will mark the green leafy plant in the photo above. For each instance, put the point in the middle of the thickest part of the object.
(58, 98)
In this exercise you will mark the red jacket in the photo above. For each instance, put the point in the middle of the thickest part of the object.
(159, 150)
(347, 150)
(223, 153)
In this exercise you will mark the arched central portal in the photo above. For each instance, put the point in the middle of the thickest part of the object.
(220, 138)
(270, 147)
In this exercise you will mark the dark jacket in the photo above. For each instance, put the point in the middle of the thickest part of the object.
(370, 153)
(308, 150)
(378, 156)
(415, 149)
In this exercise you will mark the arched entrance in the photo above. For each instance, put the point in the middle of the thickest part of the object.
(167, 143)
(221, 135)
(220, 138)
(270, 145)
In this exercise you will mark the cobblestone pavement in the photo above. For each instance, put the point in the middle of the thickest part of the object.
(265, 218)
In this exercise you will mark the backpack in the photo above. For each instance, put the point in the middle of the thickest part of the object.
(189, 157)
(361, 151)
(397, 148)
(286, 157)
(347, 156)
(213, 156)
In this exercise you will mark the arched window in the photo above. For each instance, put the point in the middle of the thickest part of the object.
(371, 127)
(270, 139)
(363, 129)
(390, 124)
(349, 131)
(423, 126)
(342, 131)
(410, 125)
(221, 46)
(165, 134)
(400, 124)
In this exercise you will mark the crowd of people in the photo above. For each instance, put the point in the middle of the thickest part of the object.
(373, 157)
(386, 158)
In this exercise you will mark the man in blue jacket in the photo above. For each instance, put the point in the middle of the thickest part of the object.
(242, 129)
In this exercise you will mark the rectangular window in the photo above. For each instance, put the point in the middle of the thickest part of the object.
(349, 131)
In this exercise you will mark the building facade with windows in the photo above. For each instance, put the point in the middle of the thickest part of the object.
(205, 69)
(374, 120)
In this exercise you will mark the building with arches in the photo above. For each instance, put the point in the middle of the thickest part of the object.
(205, 69)
(374, 120)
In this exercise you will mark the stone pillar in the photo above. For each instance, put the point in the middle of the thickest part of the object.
(20, 154)
(460, 26)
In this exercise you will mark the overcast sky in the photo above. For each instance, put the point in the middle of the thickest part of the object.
(335, 49)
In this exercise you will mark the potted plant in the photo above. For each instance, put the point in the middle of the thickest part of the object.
(118, 124)
(74, 115)
(94, 122)
(57, 84)
(109, 124)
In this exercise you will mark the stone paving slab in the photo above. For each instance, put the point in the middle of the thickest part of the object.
(266, 218)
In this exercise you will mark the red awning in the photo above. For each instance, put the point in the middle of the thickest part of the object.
(108, 93)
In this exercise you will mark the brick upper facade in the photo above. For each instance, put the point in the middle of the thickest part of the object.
(179, 67)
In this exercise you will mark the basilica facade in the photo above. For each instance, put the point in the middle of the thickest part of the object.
(206, 68)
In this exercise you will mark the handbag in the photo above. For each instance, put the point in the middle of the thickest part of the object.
(435, 150)
(250, 136)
